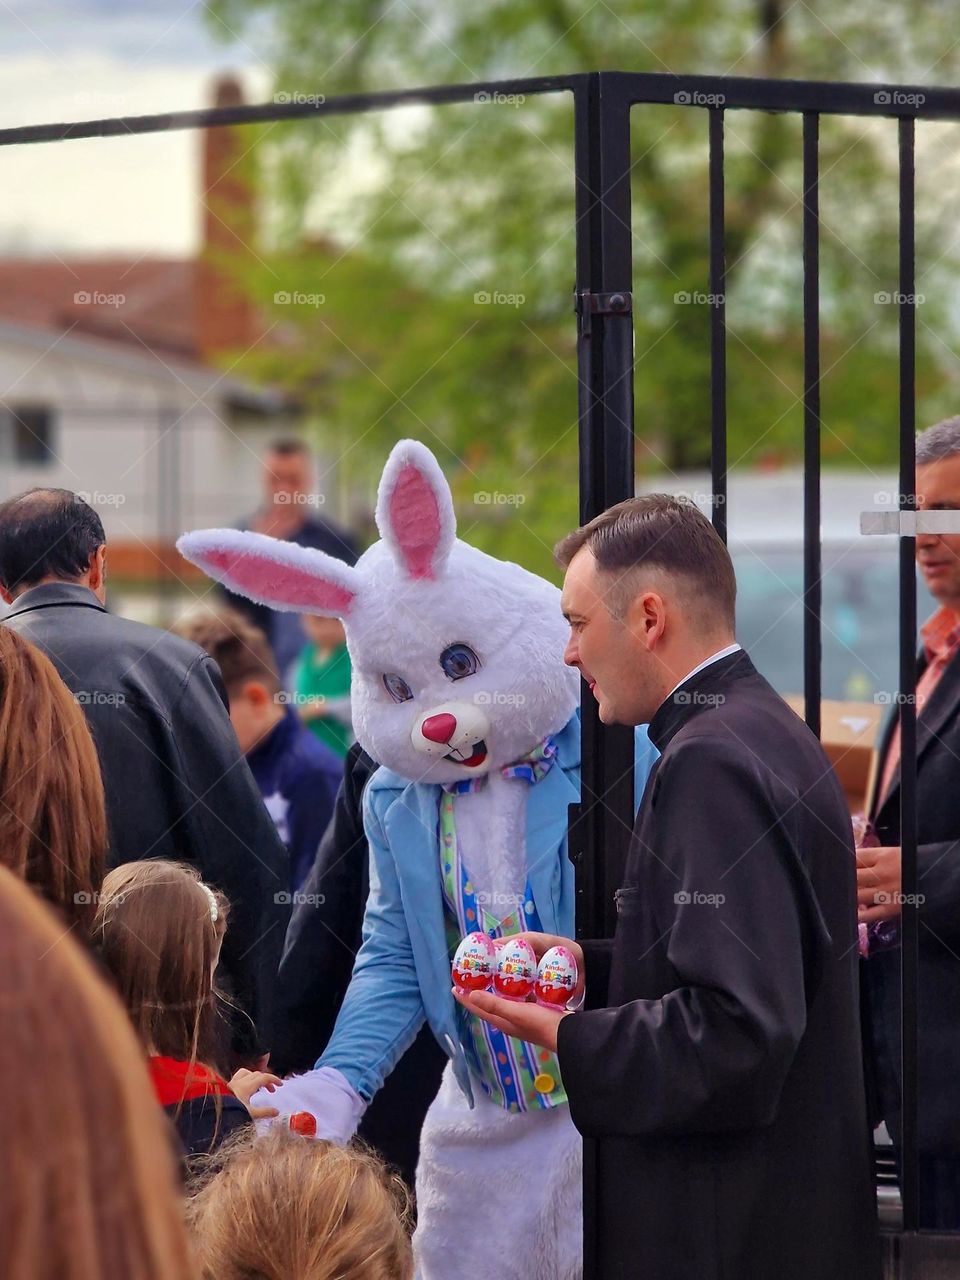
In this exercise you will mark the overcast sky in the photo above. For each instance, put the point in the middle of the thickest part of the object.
(85, 59)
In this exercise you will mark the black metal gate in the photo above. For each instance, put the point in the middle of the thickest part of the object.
(603, 101)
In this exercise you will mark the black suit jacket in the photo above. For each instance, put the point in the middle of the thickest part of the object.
(718, 1063)
(176, 783)
(938, 869)
(322, 943)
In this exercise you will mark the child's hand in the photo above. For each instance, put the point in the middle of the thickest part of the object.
(245, 1084)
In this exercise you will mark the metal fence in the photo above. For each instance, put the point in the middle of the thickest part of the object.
(601, 824)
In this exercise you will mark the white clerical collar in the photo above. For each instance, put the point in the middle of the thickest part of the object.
(707, 662)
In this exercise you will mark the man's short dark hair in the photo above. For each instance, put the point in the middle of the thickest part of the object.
(46, 533)
(288, 447)
(662, 532)
(240, 650)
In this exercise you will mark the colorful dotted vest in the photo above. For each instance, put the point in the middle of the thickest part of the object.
(515, 1075)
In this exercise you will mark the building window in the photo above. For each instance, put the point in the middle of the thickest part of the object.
(26, 435)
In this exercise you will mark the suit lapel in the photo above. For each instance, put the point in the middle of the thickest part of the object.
(930, 722)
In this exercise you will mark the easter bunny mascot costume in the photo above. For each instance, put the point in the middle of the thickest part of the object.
(461, 695)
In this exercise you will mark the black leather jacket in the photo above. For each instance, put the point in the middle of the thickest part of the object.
(176, 783)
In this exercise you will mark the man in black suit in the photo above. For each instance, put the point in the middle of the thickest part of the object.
(176, 783)
(717, 1061)
(938, 861)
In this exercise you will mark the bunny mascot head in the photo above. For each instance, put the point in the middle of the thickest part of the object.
(456, 656)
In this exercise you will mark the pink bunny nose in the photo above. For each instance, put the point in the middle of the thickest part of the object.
(439, 728)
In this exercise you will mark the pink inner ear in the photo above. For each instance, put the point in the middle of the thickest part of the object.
(267, 580)
(415, 521)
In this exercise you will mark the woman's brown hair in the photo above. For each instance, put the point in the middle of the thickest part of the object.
(284, 1207)
(158, 930)
(53, 825)
(88, 1172)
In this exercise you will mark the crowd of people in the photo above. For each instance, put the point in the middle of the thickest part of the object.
(174, 806)
(163, 799)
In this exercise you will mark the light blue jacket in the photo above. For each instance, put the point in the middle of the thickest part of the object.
(402, 972)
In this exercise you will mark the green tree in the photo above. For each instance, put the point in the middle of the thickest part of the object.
(441, 240)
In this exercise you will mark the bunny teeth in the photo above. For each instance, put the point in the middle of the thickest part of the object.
(477, 756)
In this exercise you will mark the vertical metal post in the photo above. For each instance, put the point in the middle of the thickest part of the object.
(718, 328)
(605, 358)
(909, 971)
(812, 558)
(602, 822)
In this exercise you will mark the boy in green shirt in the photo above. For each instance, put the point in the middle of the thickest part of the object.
(321, 683)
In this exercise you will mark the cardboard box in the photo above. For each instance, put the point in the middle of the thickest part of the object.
(850, 733)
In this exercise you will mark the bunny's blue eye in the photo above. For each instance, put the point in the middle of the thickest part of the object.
(397, 687)
(458, 661)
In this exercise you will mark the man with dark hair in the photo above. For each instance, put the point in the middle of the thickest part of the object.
(298, 775)
(717, 1063)
(290, 510)
(175, 780)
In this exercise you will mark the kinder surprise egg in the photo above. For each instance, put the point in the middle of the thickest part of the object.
(516, 969)
(556, 977)
(474, 962)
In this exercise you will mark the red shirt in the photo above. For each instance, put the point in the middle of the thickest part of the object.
(175, 1081)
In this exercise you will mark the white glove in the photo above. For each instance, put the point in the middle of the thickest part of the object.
(325, 1093)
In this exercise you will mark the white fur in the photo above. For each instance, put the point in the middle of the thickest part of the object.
(499, 1194)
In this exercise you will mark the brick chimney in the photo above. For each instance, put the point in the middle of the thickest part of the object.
(225, 319)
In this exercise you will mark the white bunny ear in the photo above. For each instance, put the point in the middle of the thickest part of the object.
(415, 510)
(270, 571)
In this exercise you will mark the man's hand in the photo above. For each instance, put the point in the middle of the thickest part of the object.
(879, 883)
(526, 1021)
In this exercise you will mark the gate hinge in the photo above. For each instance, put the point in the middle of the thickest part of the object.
(619, 303)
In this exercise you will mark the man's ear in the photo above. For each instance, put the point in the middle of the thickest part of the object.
(257, 693)
(646, 617)
(97, 573)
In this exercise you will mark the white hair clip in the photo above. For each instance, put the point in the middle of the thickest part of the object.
(214, 909)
